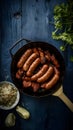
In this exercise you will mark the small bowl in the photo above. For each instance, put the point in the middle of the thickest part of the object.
(17, 96)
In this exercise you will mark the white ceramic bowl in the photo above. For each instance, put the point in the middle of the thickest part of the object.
(17, 97)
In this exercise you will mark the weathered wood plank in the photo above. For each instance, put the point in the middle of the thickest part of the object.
(11, 31)
(30, 19)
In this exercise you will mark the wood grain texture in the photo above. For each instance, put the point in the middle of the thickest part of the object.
(30, 19)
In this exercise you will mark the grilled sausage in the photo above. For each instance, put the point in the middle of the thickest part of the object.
(26, 84)
(42, 57)
(35, 86)
(29, 61)
(33, 67)
(35, 50)
(56, 71)
(55, 61)
(19, 73)
(24, 58)
(52, 82)
(46, 75)
(27, 78)
(47, 55)
(40, 72)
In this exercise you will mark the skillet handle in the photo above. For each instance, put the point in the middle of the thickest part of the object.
(66, 100)
(59, 93)
(16, 43)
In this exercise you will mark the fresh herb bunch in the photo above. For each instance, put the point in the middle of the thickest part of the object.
(63, 22)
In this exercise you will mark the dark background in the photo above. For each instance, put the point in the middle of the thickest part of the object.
(30, 19)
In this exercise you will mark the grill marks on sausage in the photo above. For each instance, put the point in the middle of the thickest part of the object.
(38, 69)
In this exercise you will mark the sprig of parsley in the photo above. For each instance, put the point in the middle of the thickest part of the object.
(63, 23)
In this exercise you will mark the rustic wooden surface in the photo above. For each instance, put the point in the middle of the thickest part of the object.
(30, 19)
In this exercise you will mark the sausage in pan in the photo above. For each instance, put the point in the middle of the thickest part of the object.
(40, 72)
(56, 70)
(46, 75)
(24, 58)
(35, 50)
(55, 61)
(26, 84)
(47, 55)
(19, 73)
(29, 61)
(35, 86)
(53, 81)
(42, 57)
(33, 67)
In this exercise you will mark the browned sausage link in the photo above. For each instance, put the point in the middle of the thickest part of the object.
(56, 71)
(27, 78)
(26, 84)
(55, 61)
(40, 72)
(19, 73)
(35, 50)
(35, 86)
(42, 57)
(33, 67)
(46, 76)
(29, 61)
(24, 58)
(52, 82)
(47, 55)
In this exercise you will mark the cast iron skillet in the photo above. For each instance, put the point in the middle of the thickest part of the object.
(45, 46)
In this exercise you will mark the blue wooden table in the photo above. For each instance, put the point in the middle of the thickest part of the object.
(30, 19)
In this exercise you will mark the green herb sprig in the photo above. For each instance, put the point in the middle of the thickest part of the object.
(63, 23)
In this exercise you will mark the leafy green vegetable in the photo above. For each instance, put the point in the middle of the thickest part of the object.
(63, 23)
(71, 58)
(62, 48)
